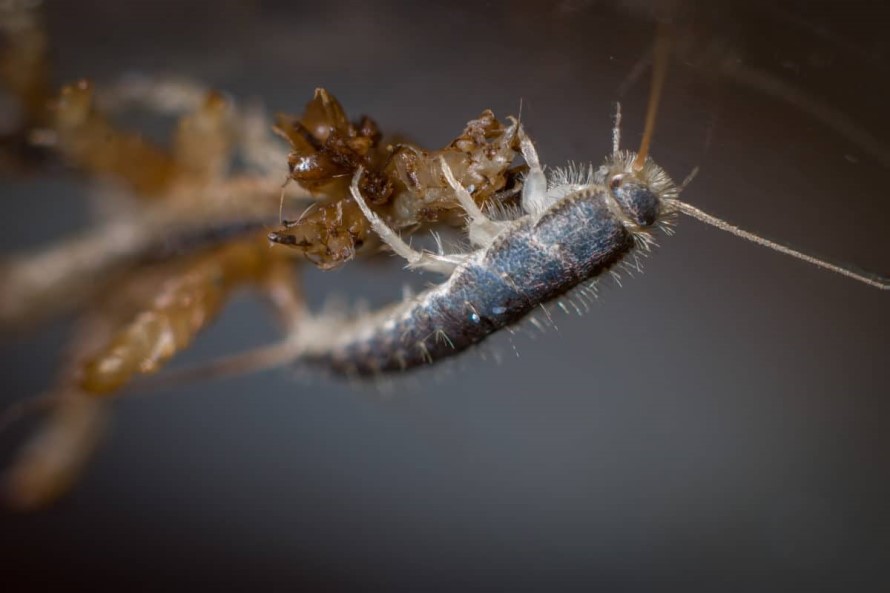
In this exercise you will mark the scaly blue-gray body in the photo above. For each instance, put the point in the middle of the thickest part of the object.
(536, 260)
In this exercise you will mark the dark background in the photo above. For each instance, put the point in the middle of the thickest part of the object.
(719, 423)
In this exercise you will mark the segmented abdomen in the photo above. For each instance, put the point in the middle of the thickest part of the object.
(535, 262)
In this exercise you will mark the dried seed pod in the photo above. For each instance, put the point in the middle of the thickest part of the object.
(480, 159)
(24, 64)
(184, 305)
(326, 149)
(403, 183)
(328, 235)
(92, 143)
(24, 78)
(203, 143)
(201, 151)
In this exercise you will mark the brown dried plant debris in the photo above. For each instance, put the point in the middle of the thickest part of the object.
(201, 150)
(194, 199)
(181, 306)
(326, 149)
(402, 182)
(24, 79)
(147, 317)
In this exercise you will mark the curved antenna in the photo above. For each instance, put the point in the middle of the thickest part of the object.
(876, 280)
(659, 72)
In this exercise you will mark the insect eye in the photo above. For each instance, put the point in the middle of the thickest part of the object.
(615, 182)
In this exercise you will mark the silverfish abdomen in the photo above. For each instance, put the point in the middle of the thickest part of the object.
(530, 264)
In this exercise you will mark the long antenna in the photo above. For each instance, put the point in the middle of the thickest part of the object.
(661, 53)
(616, 130)
(876, 280)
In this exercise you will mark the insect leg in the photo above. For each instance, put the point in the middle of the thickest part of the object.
(481, 229)
(534, 186)
(444, 264)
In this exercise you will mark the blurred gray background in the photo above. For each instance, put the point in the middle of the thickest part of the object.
(718, 423)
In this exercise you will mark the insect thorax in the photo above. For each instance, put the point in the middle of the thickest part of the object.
(643, 193)
(642, 197)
